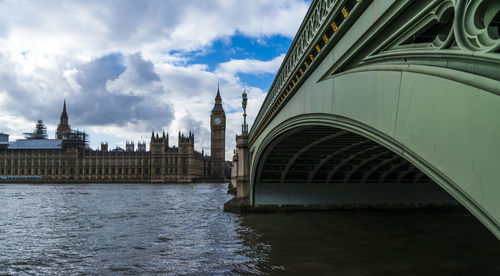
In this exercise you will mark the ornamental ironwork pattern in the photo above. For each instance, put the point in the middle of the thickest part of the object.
(456, 28)
(322, 25)
(477, 25)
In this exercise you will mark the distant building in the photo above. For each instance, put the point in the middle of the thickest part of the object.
(141, 146)
(129, 147)
(4, 140)
(63, 128)
(228, 166)
(104, 146)
(69, 158)
(40, 131)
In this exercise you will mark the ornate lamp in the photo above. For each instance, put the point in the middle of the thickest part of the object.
(244, 127)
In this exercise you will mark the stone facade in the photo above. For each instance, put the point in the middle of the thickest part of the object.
(68, 158)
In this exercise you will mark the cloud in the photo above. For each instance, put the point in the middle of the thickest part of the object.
(93, 76)
(125, 66)
(251, 66)
(140, 78)
(115, 94)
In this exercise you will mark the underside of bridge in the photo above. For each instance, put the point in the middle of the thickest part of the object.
(322, 165)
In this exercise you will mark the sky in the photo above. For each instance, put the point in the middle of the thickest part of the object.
(129, 67)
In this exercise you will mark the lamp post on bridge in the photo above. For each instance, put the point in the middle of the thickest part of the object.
(241, 166)
(244, 127)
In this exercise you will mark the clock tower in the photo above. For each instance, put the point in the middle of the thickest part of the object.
(218, 138)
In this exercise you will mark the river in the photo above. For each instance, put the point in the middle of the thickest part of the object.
(130, 229)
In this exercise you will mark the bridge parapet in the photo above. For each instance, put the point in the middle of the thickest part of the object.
(323, 25)
(462, 35)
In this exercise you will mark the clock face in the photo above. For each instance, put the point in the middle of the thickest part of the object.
(217, 120)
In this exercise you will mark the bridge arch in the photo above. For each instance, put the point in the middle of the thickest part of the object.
(416, 86)
(326, 159)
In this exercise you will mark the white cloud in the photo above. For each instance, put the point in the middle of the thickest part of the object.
(123, 65)
(250, 66)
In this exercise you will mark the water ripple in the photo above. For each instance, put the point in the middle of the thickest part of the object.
(132, 229)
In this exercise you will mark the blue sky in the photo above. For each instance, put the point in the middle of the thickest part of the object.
(239, 47)
(128, 67)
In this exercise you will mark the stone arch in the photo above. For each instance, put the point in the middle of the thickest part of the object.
(377, 159)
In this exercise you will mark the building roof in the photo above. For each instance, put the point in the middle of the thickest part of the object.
(36, 144)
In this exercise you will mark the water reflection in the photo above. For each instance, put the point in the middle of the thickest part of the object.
(373, 243)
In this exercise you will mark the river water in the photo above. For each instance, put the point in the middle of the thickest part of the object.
(125, 229)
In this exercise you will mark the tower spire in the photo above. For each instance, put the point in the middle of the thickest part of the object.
(63, 128)
(64, 114)
(218, 100)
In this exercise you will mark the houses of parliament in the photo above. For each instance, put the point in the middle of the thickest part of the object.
(68, 157)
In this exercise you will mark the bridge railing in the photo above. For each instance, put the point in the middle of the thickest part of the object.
(324, 24)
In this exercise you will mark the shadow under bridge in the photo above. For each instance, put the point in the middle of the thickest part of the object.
(322, 165)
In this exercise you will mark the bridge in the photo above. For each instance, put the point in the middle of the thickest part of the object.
(385, 103)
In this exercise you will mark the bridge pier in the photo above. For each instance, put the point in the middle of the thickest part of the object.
(234, 175)
(241, 202)
(243, 186)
